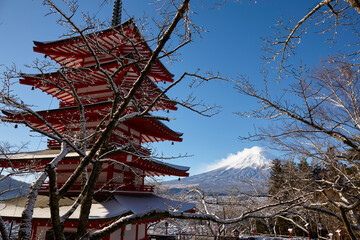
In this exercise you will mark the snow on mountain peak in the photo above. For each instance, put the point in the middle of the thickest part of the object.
(255, 157)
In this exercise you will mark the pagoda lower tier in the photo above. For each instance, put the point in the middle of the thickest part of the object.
(104, 211)
(120, 191)
(122, 172)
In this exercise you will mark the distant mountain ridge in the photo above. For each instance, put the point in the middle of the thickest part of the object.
(241, 172)
(11, 188)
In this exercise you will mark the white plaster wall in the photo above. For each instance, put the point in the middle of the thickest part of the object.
(118, 178)
(130, 234)
(141, 231)
(41, 232)
(116, 235)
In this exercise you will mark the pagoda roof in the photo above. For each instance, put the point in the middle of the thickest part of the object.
(91, 85)
(121, 40)
(67, 119)
(38, 159)
(117, 206)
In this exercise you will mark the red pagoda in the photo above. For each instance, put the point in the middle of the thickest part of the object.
(121, 188)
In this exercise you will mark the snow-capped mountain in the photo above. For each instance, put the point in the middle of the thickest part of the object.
(255, 157)
(238, 172)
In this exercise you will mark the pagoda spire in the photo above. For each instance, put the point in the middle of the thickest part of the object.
(116, 18)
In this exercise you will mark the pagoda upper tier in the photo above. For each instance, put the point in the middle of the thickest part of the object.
(119, 50)
(91, 85)
(122, 42)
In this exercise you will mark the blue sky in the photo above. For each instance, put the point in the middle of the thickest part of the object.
(232, 45)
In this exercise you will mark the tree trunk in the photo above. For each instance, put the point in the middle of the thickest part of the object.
(87, 201)
(347, 223)
(57, 227)
(355, 4)
(3, 231)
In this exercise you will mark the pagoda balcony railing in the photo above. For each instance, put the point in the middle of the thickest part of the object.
(141, 150)
(106, 188)
(54, 144)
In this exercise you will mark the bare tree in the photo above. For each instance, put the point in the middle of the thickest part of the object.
(318, 120)
(329, 18)
(314, 116)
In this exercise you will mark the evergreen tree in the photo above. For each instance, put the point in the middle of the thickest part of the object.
(276, 176)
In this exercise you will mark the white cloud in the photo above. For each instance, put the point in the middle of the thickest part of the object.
(249, 157)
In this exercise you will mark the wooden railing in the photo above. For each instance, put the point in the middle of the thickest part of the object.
(53, 144)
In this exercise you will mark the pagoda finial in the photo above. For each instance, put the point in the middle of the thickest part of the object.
(116, 18)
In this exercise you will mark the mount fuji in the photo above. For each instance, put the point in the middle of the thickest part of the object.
(244, 171)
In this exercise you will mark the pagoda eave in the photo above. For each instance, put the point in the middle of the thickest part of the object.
(91, 86)
(101, 211)
(71, 51)
(61, 119)
(38, 160)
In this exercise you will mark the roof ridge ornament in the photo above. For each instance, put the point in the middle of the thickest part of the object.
(116, 18)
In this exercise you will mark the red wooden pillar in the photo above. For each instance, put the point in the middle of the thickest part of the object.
(146, 234)
(143, 178)
(110, 174)
(106, 238)
(137, 232)
(34, 231)
(122, 233)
